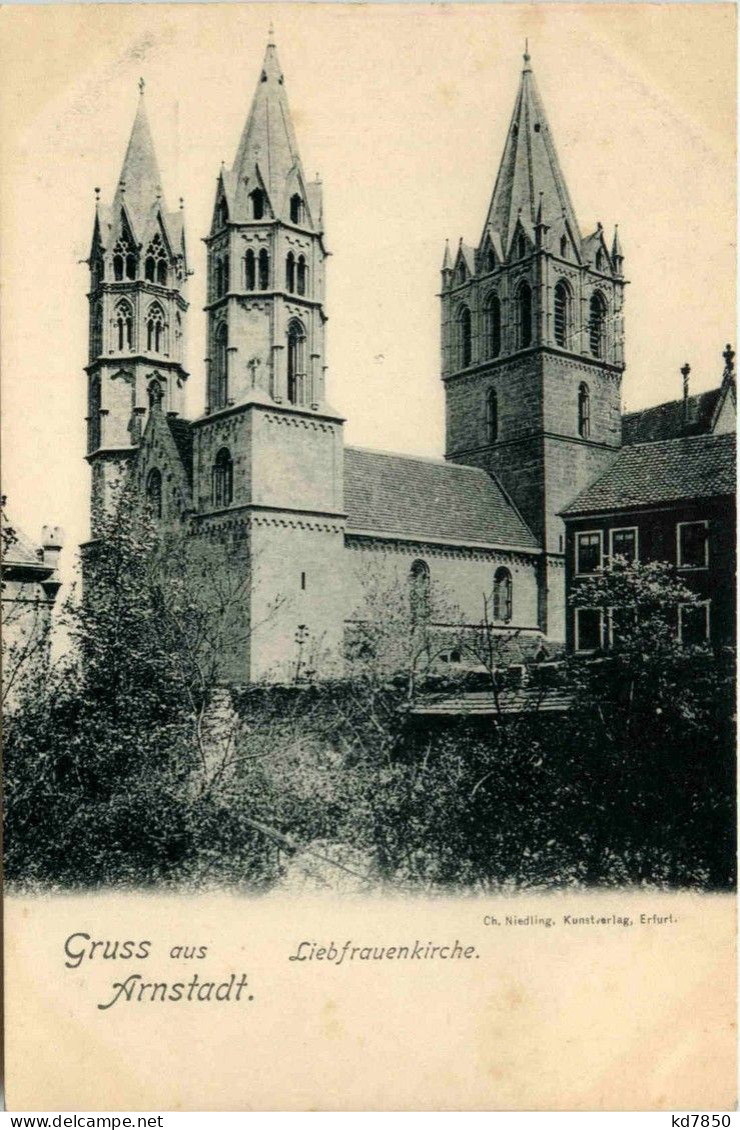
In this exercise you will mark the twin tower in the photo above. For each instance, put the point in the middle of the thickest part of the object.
(532, 334)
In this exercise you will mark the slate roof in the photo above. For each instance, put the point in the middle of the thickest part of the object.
(529, 166)
(666, 421)
(689, 467)
(429, 499)
(182, 434)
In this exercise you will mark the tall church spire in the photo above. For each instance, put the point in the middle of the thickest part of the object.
(139, 186)
(529, 171)
(267, 158)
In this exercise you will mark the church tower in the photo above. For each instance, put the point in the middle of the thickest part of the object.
(266, 259)
(137, 302)
(268, 450)
(533, 343)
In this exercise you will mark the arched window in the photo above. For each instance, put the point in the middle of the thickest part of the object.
(223, 212)
(462, 272)
(521, 246)
(599, 260)
(264, 269)
(96, 331)
(490, 260)
(155, 329)
(257, 197)
(154, 492)
(124, 323)
(94, 414)
(584, 411)
(178, 337)
(561, 304)
(225, 276)
(155, 261)
(155, 393)
(290, 272)
(222, 479)
(124, 261)
(302, 274)
(221, 367)
(419, 593)
(502, 595)
(296, 209)
(492, 415)
(296, 363)
(564, 246)
(524, 316)
(250, 275)
(464, 337)
(597, 323)
(493, 326)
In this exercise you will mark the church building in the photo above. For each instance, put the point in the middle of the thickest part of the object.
(532, 362)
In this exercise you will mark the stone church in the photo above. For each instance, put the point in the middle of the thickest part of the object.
(532, 362)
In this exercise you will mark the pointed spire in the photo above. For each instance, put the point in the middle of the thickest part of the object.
(268, 156)
(139, 184)
(728, 356)
(447, 260)
(529, 166)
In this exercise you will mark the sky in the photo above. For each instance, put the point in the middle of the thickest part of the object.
(403, 110)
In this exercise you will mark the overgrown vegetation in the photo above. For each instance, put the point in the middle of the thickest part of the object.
(125, 765)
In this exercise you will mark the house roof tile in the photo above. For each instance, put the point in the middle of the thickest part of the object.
(688, 467)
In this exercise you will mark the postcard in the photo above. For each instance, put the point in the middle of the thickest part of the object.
(368, 575)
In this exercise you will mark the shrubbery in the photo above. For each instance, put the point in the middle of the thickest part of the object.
(113, 775)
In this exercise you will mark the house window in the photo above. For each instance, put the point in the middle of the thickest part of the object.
(302, 274)
(502, 595)
(464, 337)
(692, 545)
(597, 323)
(296, 363)
(492, 415)
(599, 260)
(493, 326)
(118, 267)
(584, 411)
(693, 624)
(524, 312)
(154, 492)
(521, 246)
(588, 552)
(419, 593)
(491, 261)
(264, 269)
(296, 209)
(222, 479)
(124, 323)
(250, 270)
(564, 246)
(257, 197)
(561, 314)
(624, 543)
(589, 629)
(221, 367)
(290, 272)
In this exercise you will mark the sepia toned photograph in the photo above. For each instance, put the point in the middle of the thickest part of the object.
(369, 446)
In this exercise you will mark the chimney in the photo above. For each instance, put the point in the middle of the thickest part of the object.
(52, 540)
(685, 374)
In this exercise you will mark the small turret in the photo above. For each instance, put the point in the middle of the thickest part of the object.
(617, 253)
(52, 541)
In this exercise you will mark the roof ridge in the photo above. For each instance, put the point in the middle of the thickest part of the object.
(666, 403)
(676, 439)
(434, 460)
